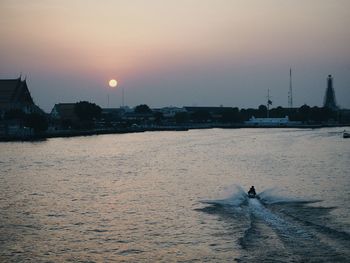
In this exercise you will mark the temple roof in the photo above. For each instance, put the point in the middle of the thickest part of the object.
(14, 91)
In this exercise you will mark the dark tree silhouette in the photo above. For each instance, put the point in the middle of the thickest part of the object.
(262, 111)
(322, 114)
(158, 117)
(36, 121)
(246, 114)
(231, 115)
(181, 117)
(304, 113)
(201, 115)
(66, 124)
(143, 108)
(87, 111)
(278, 112)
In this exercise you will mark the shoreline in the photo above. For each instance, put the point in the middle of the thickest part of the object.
(77, 133)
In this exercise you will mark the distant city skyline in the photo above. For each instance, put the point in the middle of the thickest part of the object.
(179, 53)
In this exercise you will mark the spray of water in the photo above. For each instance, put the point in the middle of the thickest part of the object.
(280, 225)
(234, 196)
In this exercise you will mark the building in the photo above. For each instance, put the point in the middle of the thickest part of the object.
(169, 112)
(15, 95)
(329, 98)
(64, 112)
(271, 121)
(15, 101)
(63, 116)
(111, 114)
(215, 113)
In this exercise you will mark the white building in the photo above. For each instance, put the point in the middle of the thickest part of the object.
(271, 121)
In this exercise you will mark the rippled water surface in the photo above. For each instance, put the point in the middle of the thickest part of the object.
(177, 196)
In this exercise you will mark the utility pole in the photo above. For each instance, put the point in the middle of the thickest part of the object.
(269, 102)
(123, 97)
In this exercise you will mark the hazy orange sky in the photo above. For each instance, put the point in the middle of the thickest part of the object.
(184, 52)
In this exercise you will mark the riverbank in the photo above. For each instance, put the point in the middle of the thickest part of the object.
(75, 133)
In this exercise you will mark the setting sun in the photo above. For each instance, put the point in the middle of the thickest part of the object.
(113, 83)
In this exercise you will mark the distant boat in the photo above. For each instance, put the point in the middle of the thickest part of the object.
(346, 134)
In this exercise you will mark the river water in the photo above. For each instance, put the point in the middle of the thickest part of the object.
(177, 197)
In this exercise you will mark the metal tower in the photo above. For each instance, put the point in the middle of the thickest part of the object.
(290, 92)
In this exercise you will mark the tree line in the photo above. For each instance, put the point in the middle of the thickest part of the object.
(88, 113)
(304, 114)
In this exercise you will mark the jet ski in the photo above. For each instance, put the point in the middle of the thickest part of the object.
(251, 192)
(251, 195)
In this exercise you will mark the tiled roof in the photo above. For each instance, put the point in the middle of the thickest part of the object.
(14, 91)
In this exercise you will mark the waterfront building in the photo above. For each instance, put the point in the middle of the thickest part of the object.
(64, 111)
(271, 121)
(215, 113)
(15, 95)
(169, 112)
(63, 116)
(112, 113)
(138, 117)
(267, 121)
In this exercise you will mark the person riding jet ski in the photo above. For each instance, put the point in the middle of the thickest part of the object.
(251, 192)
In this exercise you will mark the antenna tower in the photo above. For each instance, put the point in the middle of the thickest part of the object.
(290, 92)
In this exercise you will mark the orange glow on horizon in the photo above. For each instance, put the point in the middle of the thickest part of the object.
(148, 38)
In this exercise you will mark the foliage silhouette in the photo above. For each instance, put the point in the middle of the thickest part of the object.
(37, 122)
(143, 108)
(87, 111)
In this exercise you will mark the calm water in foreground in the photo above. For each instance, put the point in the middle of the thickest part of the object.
(177, 196)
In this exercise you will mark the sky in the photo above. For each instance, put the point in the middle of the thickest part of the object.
(177, 53)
